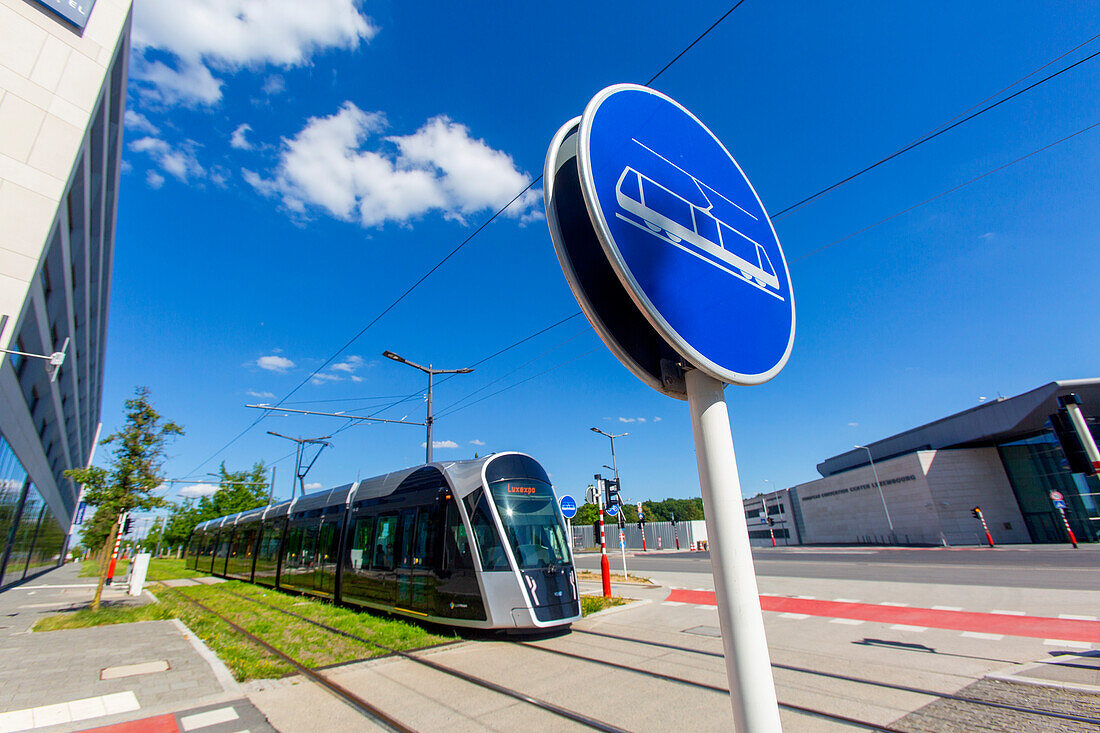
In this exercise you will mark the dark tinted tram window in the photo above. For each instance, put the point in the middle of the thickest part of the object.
(383, 543)
(488, 541)
(293, 548)
(408, 521)
(309, 547)
(361, 543)
(456, 545)
(515, 466)
(269, 543)
(427, 532)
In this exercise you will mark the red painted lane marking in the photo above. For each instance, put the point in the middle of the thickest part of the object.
(1036, 627)
(159, 724)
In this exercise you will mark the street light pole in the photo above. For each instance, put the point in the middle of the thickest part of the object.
(614, 464)
(431, 374)
(879, 486)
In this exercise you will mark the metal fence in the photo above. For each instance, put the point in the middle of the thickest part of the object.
(658, 535)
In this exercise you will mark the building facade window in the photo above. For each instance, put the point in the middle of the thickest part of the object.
(1037, 466)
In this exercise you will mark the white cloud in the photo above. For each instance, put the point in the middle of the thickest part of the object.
(154, 179)
(275, 363)
(259, 395)
(441, 444)
(227, 35)
(239, 140)
(477, 442)
(987, 235)
(440, 167)
(631, 419)
(853, 425)
(657, 419)
(198, 490)
(178, 162)
(140, 123)
(191, 84)
(313, 486)
(274, 84)
(349, 365)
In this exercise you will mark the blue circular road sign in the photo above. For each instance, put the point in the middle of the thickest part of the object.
(568, 506)
(612, 509)
(686, 234)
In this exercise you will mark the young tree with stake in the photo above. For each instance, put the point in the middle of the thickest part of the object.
(134, 473)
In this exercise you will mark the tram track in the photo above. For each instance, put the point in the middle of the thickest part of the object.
(1069, 717)
(547, 706)
(551, 707)
(356, 702)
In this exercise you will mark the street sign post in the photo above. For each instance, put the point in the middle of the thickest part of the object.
(675, 263)
(568, 508)
(1059, 502)
(1058, 499)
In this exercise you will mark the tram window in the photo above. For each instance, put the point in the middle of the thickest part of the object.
(427, 529)
(360, 543)
(408, 521)
(293, 547)
(488, 541)
(383, 543)
(309, 547)
(531, 521)
(456, 545)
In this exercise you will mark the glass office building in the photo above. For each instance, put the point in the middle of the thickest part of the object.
(62, 99)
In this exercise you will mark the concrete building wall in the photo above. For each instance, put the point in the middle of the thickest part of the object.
(963, 479)
(776, 505)
(928, 494)
(62, 102)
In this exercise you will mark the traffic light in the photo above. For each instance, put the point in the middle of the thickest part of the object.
(673, 520)
(771, 522)
(612, 492)
(976, 512)
(126, 525)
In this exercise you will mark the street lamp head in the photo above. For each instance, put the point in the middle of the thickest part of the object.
(391, 355)
(597, 430)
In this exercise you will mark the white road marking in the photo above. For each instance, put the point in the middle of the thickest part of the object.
(672, 603)
(905, 627)
(893, 603)
(849, 621)
(982, 635)
(1009, 613)
(794, 615)
(1076, 617)
(946, 608)
(846, 600)
(210, 717)
(68, 712)
(1070, 644)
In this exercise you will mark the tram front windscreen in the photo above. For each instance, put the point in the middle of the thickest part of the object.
(529, 512)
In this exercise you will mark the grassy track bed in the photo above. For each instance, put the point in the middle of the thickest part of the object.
(310, 645)
(162, 569)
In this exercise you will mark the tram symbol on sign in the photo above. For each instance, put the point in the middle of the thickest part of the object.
(675, 219)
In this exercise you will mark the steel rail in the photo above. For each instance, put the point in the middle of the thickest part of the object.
(889, 685)
(344, 694)
(523, 697)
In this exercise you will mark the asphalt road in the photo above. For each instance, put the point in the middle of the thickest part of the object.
(1035, 566)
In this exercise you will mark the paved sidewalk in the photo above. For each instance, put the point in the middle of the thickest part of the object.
(77, 679)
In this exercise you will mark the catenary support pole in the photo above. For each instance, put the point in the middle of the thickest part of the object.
(748, 665)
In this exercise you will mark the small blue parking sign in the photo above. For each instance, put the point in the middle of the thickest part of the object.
(612, 510)
(686, 234)
(568, 506)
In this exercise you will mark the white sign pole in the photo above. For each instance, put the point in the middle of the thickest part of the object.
(748, 665)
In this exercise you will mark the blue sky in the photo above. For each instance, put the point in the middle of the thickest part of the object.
(287, 176)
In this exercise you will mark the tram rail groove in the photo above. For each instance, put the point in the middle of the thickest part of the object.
(335, 688)
(714, 688)
(847, 678)
(576, 717)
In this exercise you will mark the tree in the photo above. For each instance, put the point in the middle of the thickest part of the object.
(237, 491)
(134, 474)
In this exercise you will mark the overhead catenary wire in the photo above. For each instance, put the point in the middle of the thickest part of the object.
(901, 151)
(439, 264)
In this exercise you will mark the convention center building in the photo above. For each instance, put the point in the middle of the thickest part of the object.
(62, 98)
(921, 487)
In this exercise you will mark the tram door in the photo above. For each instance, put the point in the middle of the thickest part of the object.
(415, 576)
(325, 578)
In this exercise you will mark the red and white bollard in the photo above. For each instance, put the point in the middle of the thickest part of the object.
(1069, 532)
(605, 567)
